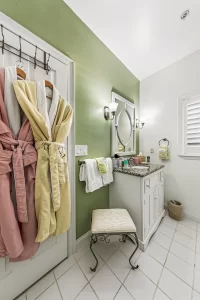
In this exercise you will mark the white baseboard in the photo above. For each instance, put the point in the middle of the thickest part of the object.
(192, 217)
(83, 237)
(189, 215)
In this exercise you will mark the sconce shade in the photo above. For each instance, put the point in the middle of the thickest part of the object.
(113, 106)
(139, 124)
(109, 111)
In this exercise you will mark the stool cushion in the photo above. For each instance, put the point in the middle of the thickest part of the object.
(112, 221)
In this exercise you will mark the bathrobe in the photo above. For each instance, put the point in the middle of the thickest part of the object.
(50, 125)
(17, 175)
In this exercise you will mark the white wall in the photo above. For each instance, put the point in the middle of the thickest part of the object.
(159, 95)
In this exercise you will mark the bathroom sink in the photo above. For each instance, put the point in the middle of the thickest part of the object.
(140, 167)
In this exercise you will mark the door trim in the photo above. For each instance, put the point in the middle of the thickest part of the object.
(9, 23)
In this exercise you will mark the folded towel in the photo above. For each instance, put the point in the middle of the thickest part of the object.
(90, 174)
(108, 177)
(164, 153)
(102, 165)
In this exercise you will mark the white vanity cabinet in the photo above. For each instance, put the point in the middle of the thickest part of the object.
(143, 197)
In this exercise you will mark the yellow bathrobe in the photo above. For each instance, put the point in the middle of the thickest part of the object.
(50, 129)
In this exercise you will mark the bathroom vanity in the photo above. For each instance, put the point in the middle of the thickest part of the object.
(141, 192)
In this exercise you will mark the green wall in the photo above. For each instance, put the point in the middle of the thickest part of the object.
(98, 72)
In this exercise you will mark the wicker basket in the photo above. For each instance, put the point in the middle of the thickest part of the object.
(175, 210)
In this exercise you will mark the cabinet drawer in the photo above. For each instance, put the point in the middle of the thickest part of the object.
(149, 183)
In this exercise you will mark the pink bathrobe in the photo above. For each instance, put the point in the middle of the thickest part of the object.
(18, 157)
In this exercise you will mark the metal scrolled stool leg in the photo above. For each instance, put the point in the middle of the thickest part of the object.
(135, 241)
(93, 241)
(125, 236)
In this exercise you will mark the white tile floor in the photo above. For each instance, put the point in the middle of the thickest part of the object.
(169, 269)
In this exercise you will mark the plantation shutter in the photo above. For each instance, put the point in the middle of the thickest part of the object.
(191, 126)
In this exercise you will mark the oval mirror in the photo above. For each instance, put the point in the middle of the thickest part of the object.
(124, 127)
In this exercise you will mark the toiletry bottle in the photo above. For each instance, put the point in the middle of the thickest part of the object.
(120, 162)
(136, 160)
(126, 164)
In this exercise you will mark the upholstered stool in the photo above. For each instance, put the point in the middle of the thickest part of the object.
(107, 222)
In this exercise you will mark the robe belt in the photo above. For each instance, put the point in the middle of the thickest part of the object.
(57, 158)
(21, 156)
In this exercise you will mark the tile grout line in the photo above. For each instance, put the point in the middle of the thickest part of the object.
(178, 230)
(97, 271)
(85, 278)
(194, 264)
(121, 282)
(128, 272)
(128, 275)
(164, 265)
(160, 244)
(126, 290)
(58, 286)
(173, 240)
(43, 291)
(94, 290)
(65, 271)
(105, 264)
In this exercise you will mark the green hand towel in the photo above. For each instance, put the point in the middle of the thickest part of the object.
(102, 165)
(164, 153)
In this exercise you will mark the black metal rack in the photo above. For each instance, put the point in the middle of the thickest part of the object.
(22, 55)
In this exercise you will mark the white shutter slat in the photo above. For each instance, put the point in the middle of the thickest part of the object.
(193, 106)
(194, 116)
(192, 111)
(193, 124)
(193, 131)
(193, 135)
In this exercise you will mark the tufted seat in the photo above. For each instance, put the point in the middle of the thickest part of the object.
(112, 221)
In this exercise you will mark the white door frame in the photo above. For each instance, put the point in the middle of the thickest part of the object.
(18, 29)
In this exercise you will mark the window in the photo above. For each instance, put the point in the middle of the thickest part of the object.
(189, 126)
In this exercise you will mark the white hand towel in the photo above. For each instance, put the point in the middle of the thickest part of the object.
(82, 173)
(108, 177)
(90, 174)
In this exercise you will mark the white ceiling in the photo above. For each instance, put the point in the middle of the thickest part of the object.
(146, 35)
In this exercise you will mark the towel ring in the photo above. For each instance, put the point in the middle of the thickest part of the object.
(165, 140)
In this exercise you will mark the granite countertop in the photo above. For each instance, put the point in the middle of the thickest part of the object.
(141, 173)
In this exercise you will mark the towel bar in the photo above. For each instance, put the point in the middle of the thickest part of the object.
(81, 162)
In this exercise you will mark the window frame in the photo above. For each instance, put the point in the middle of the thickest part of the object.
(183, 152)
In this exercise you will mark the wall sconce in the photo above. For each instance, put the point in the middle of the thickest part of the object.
(109, 111)
(139, 124)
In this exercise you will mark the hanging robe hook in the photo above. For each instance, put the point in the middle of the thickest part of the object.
(21, 64)
(3, 44)
(48, 68)
(20, 48)
(35, 60)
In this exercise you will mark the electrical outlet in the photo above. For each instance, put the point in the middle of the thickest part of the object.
(81, 150)
(151, 150)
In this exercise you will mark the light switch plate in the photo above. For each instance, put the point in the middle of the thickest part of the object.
(81, 150)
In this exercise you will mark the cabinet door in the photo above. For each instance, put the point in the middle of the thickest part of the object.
(161, 198)
(152, 208)
(149, 211)
(159, 195)
(146, 214)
